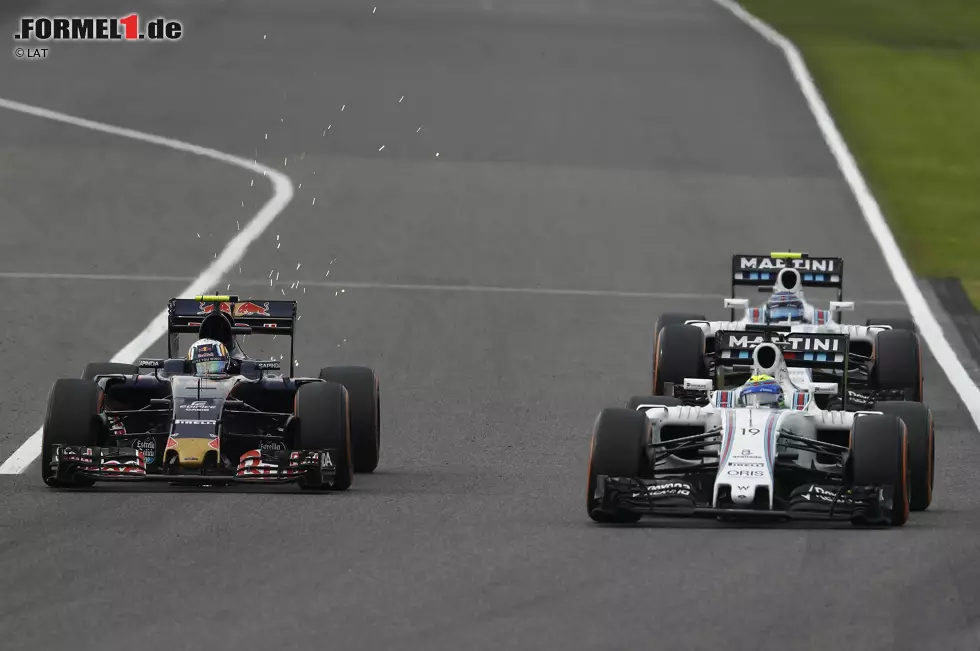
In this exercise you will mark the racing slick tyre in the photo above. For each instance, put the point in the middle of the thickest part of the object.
(922, 448)
(880, 457)
(93, 369)
(898, 363)
(659, 401)
(618, 450)
(669, 319)
(896, 324)
(673, 318)
(324, 423)
(72, 419)
(364, 394)
(679, 354)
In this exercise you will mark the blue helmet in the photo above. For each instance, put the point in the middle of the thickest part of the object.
(209, 357)
(761, 391)
(783, 306)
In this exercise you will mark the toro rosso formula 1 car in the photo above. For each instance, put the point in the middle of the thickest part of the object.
(884, 354)
(162, 420)
(763, 450)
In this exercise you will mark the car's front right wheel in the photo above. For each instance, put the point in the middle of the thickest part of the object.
(880, 457)
(922, 448)
(72, 419)
(364, 393)
(321, 409)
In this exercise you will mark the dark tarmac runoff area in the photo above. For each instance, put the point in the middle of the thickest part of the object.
(493, 202)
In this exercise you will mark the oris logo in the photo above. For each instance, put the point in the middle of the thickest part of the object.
(745, 473)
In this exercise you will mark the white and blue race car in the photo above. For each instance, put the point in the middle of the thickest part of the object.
(765, 449)
(884, 354)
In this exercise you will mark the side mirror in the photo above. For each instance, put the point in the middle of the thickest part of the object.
(838, 306)
(177, 366)
(698, 384)
(825, 388)
(253, 368)
(733, 303)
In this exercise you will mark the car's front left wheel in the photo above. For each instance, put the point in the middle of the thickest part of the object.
(619, 441)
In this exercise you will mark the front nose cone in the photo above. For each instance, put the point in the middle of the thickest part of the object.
(743, 495)
(191, 452)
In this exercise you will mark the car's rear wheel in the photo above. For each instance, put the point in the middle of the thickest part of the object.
(897, 364)
(618, 448)
(364, 394)
(679, 355)
(323, 416)
(673, 318)
(880, 457)
(669, 319)
(72, 419)
(896, 324)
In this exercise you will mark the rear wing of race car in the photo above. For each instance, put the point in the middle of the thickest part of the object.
(249, 317)
(818, 351)
(800, 349)
(761, 270)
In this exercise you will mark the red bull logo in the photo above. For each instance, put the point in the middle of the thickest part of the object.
(208, 308)
(248, 308)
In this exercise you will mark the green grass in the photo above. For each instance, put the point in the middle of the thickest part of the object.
(902, 80)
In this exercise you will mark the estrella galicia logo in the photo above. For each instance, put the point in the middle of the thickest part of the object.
(272, 446)
(148, 446)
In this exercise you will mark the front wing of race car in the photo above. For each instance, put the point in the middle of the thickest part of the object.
(254, 466)
(679, 498)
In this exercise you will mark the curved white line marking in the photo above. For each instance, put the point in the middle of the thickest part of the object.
(282, 188)
(931, 331)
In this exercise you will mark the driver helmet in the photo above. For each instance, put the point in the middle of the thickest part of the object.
(783, 306)
(209, 357)
(761, 391)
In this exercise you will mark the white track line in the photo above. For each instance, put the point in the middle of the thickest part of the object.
(931, 331)
(412, 287)
(282, 188)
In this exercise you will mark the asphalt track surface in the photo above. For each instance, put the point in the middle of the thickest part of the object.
(601, 148)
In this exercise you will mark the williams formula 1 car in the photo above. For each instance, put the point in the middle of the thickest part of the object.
(884, 354)
(158, 420)
(701, 452)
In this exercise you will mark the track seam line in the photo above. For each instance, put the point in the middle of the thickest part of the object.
(231, 254)
(923, 315)
(411, 287)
